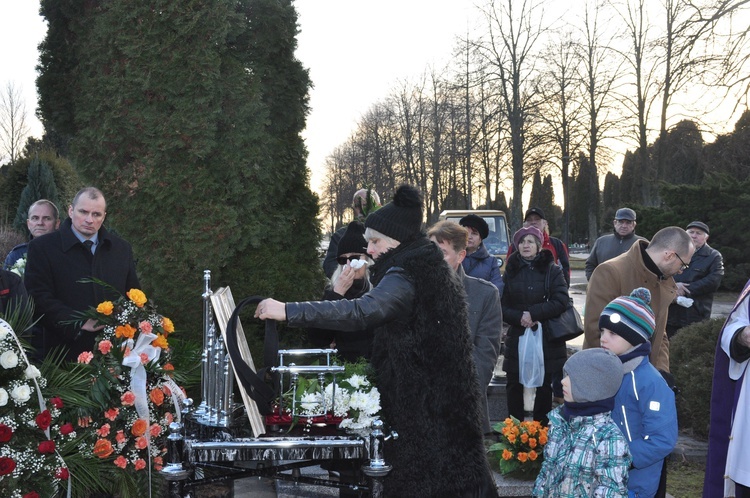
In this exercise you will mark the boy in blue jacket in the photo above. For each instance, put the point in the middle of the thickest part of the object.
(644, 405)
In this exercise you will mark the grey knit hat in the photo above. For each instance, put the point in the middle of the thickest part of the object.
(400, 219)
(595, 374)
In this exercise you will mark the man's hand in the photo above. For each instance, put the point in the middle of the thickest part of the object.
(683, 289)
(92, 325)
(270, 308)
(744, 337)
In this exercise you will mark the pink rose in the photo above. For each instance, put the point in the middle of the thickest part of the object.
(140, 464)
(155, 430)
(111, 414)
(145, 327)
(128, 398)
(144, 358)
(121, 462)
(103, 431)
(141, 443)
(85, 357)
(105, 346)
(120, 438)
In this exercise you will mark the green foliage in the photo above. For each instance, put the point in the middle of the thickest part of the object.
(40, 185)
(691, 361)
(188, 115)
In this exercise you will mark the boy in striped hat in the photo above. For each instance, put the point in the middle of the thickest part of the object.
(644, 405)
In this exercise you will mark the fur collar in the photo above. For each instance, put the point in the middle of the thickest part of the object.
(538, 264)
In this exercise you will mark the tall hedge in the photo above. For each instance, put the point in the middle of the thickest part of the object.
(188, 116)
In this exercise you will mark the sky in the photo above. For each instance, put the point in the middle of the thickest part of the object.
(356, 53)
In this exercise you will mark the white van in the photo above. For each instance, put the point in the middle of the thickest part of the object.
(498, 241)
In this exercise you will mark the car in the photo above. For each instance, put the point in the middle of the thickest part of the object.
(498, 240)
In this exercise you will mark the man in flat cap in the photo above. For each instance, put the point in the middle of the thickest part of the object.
(697, 284)
(612, 245)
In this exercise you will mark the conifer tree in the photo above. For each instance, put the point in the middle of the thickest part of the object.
(40, 185)
(188, 117)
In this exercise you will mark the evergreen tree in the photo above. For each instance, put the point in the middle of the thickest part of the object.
(536, 199)
(40, 185)
(682, 153)
(188, 117)
(547, 203)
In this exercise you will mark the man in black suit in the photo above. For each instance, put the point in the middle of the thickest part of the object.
(57, 262)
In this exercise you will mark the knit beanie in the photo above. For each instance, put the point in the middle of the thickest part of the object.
(595, 374)
(477, 223)
(630, 317)
(353, 239)
(400, 219)
(529, 230)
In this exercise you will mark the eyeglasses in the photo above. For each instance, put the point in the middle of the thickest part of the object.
(623, 222)
(684, 266)
(343, 260)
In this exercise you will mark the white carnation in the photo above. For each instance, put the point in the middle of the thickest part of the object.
(32, 372)
(9, 359)
(21, 394)
(3, 397)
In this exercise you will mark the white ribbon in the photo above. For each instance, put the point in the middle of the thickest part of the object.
(138, 383)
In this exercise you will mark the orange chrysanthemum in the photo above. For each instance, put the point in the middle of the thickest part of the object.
(139, 427)
(137, 296)
(105, 308)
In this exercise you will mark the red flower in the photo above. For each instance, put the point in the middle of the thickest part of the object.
(7, 465)
(47, 447)
(44, 419)
(5, 433)
(62, 474)
(56, 402)
(66, 429)
(32, 494)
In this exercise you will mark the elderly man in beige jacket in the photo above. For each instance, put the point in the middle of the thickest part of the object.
(646, 264)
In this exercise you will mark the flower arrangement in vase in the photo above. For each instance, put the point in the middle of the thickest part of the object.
(520, 449)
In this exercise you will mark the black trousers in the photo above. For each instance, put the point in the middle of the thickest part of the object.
(542, 403)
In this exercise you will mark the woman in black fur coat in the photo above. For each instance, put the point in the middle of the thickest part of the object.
(421, 354)
(535, 291)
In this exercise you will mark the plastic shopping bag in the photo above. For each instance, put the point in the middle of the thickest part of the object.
(531, 358)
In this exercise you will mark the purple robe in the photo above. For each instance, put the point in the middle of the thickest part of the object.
(724, 395)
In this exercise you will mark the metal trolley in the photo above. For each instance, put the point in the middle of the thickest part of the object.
(209, 443)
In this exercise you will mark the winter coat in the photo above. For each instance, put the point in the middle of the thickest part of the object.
(607, 247)
(704, 276)
(480, 264)
(584, 457)
(486, 326)
(525, 290)
(55, 265)
(646, 414)
(422, 357)
(350, 345)
(619, 277)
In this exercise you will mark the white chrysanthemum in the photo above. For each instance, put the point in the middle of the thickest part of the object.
(310, 403)
(32, 372)
(9, 359)
(340, 401)
(358, 381)
(21, 394)
(3, 397)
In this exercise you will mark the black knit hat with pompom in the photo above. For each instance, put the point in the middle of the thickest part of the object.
(400, 219)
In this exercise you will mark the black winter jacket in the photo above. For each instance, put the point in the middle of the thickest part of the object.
(425, 372)
(525, 291)
(704, 276)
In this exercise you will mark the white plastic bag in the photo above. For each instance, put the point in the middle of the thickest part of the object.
(531, 358)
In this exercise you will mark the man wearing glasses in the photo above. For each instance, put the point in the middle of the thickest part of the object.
(646, 264)
(612, 245)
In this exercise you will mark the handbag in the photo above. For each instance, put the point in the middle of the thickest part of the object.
(565, 327)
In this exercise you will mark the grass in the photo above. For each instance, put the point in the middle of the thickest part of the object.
(685, 479)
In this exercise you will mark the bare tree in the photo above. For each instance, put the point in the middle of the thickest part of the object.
(512, 36)
(13, 126)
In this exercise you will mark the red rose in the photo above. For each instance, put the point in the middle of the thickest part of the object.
(33, 494)
(66, 429)
(5, 433)
(43, 420)
(56, 402)
(47, 447)
(62, 474)
(7, 465)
